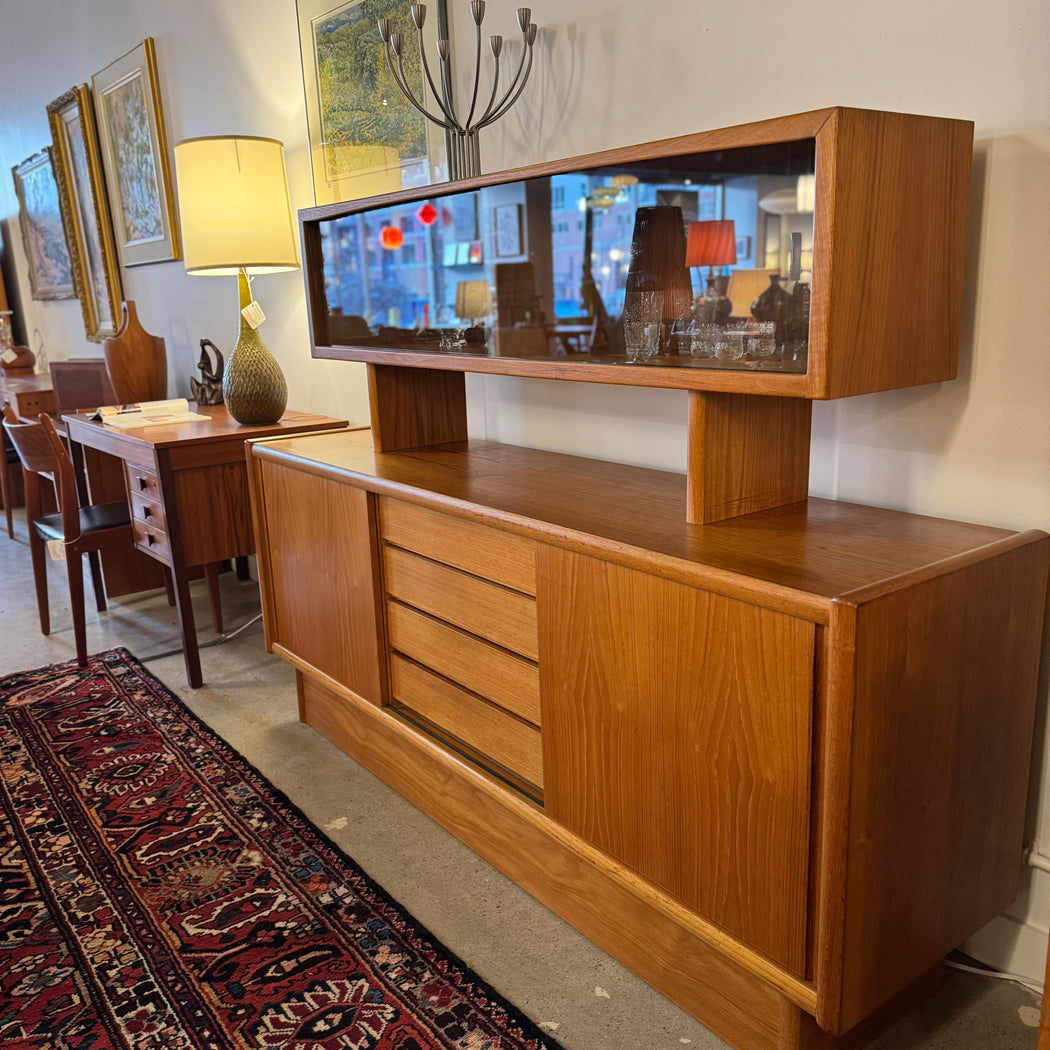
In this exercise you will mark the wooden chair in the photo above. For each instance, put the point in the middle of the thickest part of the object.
(81, 530)
(8, 458)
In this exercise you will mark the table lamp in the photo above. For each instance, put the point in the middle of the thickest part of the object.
(712, 243)
(237, 219)
(474, 303)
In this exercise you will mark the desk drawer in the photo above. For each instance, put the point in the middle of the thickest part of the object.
(142, 482)
(478, 549)
(496, 675)
(151, 540)
(147, 511)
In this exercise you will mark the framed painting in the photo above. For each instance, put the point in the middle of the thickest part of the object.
(85, 211)
(43, 234)
(366, 138)
(135, 157)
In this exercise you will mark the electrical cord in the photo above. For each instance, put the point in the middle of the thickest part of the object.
(223, 638)
(1026, 982)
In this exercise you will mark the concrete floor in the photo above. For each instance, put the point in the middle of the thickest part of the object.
(575, 991)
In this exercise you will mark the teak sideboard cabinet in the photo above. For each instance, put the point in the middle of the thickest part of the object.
(771, 752)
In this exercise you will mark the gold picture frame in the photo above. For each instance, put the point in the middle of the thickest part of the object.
(43, 233)
(85, 211)
(135, 157)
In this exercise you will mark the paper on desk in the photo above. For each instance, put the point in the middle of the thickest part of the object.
(147, 414)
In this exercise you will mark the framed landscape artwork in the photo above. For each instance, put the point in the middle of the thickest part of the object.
(365, 136)
(85, 211)
(135, 157)
(43, 235)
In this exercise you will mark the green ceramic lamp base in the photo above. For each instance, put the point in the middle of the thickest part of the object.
(253, 384)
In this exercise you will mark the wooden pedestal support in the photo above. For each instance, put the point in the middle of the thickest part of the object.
(746, 452)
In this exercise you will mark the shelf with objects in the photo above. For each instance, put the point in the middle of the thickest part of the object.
(769, 751)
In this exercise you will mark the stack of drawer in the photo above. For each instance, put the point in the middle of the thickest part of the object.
(147, 512)
(460, 604)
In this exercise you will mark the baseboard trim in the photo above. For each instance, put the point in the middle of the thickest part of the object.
(1012, 946)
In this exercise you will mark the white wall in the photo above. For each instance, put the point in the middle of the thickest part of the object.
(615, 72)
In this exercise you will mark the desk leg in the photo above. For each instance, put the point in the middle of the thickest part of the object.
(187, 627)
(180, 573)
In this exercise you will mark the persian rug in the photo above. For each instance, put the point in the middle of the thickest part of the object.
(157, 893)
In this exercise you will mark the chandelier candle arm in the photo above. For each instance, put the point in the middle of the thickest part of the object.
(464, 159)
(477, 12)
(528, 37)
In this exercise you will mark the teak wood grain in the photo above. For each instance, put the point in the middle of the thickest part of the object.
(411, 407)
(325, 596)
(495, 613)
(503, 558)
(676, 737)
(497, 675)
(746, 454)
(508, 741)
(930, 855)
(796, 558)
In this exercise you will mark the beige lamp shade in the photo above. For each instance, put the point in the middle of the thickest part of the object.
(745, 286)
(234, 206)
(473, 300)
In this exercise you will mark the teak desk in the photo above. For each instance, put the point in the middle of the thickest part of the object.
(188, 493)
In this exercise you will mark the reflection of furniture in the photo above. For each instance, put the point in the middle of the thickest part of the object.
(348, 328)
(770, 752)
(80, 530)
(516, 300)
(189, 494)
(136, 361)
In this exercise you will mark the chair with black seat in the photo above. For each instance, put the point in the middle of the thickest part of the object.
(8, 459)
(80, 530)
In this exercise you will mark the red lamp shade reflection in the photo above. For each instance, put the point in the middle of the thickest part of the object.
(391, 237)
(427, 214)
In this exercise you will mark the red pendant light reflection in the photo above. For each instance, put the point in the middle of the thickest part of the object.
(427, 214)
(391, 237)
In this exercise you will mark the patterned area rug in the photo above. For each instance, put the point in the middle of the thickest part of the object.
(157, 893)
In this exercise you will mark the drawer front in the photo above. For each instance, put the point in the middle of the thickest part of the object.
(489, 610)
(494, 674)
(152, 541)
(504, 739)
(147, 511)
(142, 482)
(477, 549)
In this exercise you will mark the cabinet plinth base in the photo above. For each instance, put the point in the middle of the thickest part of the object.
(606, 903)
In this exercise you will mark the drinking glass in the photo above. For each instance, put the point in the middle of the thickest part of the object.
(642, 322)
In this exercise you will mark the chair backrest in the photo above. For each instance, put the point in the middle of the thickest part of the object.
(44, 455)
(81, 382)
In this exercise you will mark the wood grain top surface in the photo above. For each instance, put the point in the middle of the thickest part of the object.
(823, 548)
(220, 426)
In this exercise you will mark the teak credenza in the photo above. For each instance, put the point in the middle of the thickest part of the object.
(771, 752)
